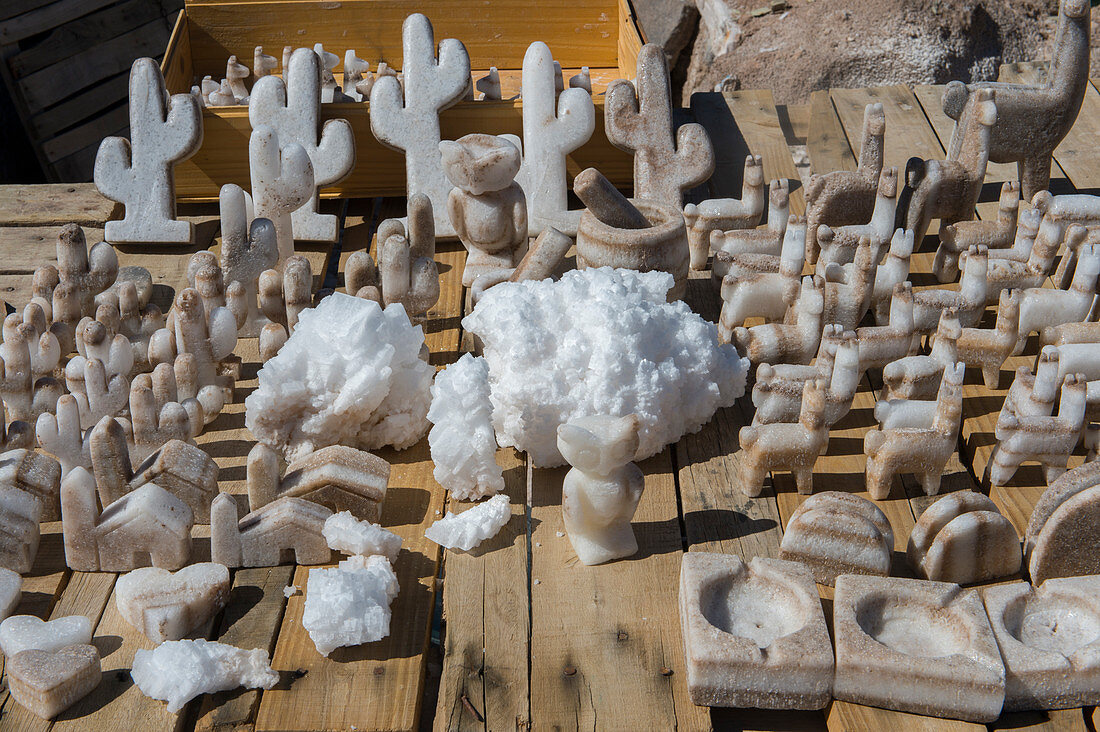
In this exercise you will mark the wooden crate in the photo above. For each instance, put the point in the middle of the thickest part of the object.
(600, 34)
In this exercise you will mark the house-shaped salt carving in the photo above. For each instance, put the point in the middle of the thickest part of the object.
(19, 534)
(146, 526)
(338, 477)
(283, 531)
(36, 474)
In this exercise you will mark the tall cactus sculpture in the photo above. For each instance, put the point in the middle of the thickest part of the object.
(247, 250)
(549, 135)
(293, 110)
(667, 161)
(282, 180)
(431, 86)
(138, 172)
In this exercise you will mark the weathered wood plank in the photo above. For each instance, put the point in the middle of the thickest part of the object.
(826, 140)
(44, 17)
(55, 204)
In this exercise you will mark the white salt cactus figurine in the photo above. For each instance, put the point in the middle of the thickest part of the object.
(138, 172)
(249, 246)
(602, 490)
(209, 339)
(291, 107)
(282, 180)
(283, 296)
(471, 527)
(462, 441)
(60, 435)
(430, 86)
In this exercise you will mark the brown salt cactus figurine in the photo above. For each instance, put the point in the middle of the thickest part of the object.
(486, 207)
(1034, 117)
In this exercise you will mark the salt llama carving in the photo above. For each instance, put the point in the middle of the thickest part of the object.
(291, 106)
(989, 348)
(282, 181)
(968, 301)
(1000, 233)
(784, 446)
(844, 240)
(760, 285)
(794, 341)
(602, 490)
(430, 86)
(777, 394)
(667, 161)
(745, 240)
(880, 345)
(725, 214)
(918, 376)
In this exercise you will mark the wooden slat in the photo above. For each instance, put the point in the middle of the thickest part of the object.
(91, 132)
(26, 248)
(44, 17)
(826, 142)
(54, 204)
(88, 103)
(908, 133)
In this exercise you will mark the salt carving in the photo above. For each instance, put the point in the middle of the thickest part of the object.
(347, 534)
(356, 71)
(120, 313)
(554, 125)
(285, 529)
(840, 245)
(725, 214)
(86, 272)
(20, 513)
(768, 241)
(667, 161)
(777, 393)
(918, 376)
(26, 632)
(849, 288)
(1031, 261)
(30, 327)
(283, 296)
(789, 342)
(463, 444)
(785, 446)
(604, 201)
(24, 396)
(249, 246)
(11, 585)
(349, 604)
(282, 181)
(880, 345)
(166, 606)
(836, 533)
(98, 393)
(989, 348)
(209, 338)
(15, 435)
(998, 233)
(1063, 533)
(153, 423)
(489, 85)
(1045, 307)
(430, 86)
(1058, 213)
(640, 355)
(601, 491)
(327, 61)
(968, 300)
(262, 63)
(138, 172)
(179, 671)
(754, 635)
(893, 271)
(291, 107)
(35, 474)
(963, 538)
(49, 682)
(545, 257)
(471, 527)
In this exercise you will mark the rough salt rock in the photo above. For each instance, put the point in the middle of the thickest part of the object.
(1063, 533)
(471, 527)
(916, 646)
(350, 374)
(637, 354)
(349, 604)
(1049, 638)
(963, 538)
(49, 682)
(836, 533)
(25, 632)
(601, 492)
(755, 635)
(463, 444)
(11, 586)
(20, 513)
(167, 605)
(276, 532)
(178, 671)
(347, 534)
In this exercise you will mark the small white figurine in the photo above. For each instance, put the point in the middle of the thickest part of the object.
(785, 445)
(249, 247)
(789, 342)
(282, 181)
(725, 214)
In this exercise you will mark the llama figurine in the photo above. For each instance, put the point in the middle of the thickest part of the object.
(893, 271)
(759, 285)
(777, 394)
(786, 446)
(842, 246)
(1058, 213)
(918, 377)
(789, 342)
(724, 214)
(1030, 260)
(849, 287)
(1046, 307)
(602, 490)
(880, 345)
(1044, 438)
(999, 233)
(990, 348)
(756, 241)
(755, 251)
(968, 301)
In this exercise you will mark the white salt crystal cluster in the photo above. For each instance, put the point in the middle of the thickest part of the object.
(178, 671)
(350, 374)
(349, 604)
(600, 341)
(349, 535)
(462, 440)
(471, 527)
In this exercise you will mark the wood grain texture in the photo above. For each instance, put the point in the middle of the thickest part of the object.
(58, 203)
(826, 141)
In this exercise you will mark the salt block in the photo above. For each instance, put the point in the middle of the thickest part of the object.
(601, 491)
(49, 682)
(1050, 641)
(963, 538)
(178, 671)
(11, 586)
(25, 632)
(167, 605)
(345, 533)
(916, 646)
(1063, 533)
(184, 470)
(754, 635)
(349, 604)
(471, 527)
(19, 531)
(340, 478)
(37, 474)
(284, 530)
(836, 533)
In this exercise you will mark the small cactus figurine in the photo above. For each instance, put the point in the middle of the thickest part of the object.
(282, 180)
(87, 272)
(667, 161)
(138, 172)
(247, 250)
(292, 109)
(431, 86)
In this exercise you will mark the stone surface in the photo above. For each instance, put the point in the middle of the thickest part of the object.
(963, 538)
(167, 606)
(178, 671)
(138, 172)
(794, 446)
(835, 533)
(916, 646)
(471, 527)
(26, 632)
(286, 530)
(347, 534)
(349, 604)
(49, 682)
(754, 635)
(11, 585)
(668, 23)
(1063, 533)
(282, 181)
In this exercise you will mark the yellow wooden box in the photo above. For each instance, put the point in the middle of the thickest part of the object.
(600, 34)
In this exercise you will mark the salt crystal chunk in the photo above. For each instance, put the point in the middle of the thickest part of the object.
(462, 440)
(345, 533)
(290, 591)
(471, 527)
(600, 341)
(178, 671)
(26, 632)
(349, 604)
(350, 374)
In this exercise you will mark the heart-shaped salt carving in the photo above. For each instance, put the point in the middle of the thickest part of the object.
(26, 632)
(10, 585)
(49, 682)
(168, 605)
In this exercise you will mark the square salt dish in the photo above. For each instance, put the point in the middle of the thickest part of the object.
(754, 635)
(916, 646)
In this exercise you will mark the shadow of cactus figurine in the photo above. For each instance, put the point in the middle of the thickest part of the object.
(667, 161)
(138, 172)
